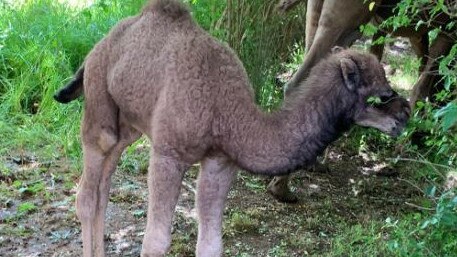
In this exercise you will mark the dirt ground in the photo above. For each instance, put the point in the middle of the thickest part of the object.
(355, 189)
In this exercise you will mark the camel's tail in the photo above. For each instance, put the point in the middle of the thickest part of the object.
(73, 89)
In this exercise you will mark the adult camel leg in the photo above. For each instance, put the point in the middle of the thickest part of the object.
(323, 31)
(279, 185)
(427, 84)
(313, 13)
(338, 19)
(420, 47)
(377, 49)
(215, 179)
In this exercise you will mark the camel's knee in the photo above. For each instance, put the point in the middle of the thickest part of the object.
(96, 134)
(102, 140)
(107, 140)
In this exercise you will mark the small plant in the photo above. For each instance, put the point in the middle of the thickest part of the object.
(434, 236)
(32, 188)
(241, 222)
(445, 216)
(253, 183)
(279, 250)
(26, 207)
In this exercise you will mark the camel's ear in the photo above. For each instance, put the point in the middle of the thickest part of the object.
(350, 72)
(337, 49)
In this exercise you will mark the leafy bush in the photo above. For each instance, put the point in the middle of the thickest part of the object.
(432, 132)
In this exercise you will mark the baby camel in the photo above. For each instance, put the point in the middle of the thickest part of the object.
(160, 74)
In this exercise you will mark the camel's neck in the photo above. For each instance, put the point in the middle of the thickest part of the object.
(283, 141)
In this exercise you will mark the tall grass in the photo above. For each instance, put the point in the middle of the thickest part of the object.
(41, 44)
(263, 39)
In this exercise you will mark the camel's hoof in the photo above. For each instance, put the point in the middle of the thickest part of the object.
(281, 192)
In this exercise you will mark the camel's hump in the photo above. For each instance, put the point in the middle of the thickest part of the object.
(172, 8)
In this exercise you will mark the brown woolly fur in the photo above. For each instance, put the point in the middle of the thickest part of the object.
(161, 75)
(172, 9)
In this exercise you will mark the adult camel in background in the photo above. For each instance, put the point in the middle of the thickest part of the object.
(331, 23)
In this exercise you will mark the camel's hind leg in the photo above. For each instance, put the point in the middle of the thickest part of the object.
(214, 183)
(164, 183)
(102, 148)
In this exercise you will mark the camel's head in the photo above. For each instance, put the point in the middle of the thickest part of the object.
(377, 104)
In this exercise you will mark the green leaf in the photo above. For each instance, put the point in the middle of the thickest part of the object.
(425, 224)
(139, 213)
(430, 191)
(419, 23)
(447, 83)
(368, 29)
(448, 114)
(373, 100)
(371, 6)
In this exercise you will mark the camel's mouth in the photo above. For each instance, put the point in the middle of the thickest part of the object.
(386, 112)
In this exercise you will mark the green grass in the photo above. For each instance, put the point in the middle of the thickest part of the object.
(41, 44)
(401, 237)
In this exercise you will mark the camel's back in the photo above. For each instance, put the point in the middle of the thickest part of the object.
(164, 60)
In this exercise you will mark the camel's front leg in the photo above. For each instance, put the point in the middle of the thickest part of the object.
(214, 182)
(164, 183)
